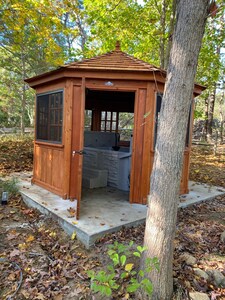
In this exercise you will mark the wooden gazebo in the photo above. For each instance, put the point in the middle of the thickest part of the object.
(110, 83)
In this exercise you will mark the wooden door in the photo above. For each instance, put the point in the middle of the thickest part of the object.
(78, 107)
(142, 142)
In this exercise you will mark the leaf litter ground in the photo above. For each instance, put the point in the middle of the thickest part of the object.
(54, 266)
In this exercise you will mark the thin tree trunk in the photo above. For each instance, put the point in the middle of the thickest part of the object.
(23, 110)
(30, 113)
(83, 35)
(162, 38)
(222, 116)
(206, 119)
(166, 174)
(211, 102)
(23, 96)
(170, 34)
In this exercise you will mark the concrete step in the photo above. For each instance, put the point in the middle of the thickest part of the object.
(94, 178)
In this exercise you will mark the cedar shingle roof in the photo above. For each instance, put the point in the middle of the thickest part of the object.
(114, 60)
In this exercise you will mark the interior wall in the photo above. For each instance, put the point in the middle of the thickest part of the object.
(116, 101)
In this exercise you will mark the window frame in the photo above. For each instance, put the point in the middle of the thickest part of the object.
(49, 124)
(109, 121)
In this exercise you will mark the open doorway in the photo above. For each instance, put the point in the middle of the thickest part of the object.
(109, 123)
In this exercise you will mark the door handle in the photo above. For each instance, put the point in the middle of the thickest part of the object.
(80, 152)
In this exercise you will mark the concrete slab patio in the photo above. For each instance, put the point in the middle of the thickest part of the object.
(103, 210)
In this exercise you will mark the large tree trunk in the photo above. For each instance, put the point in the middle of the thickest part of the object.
(166, 174)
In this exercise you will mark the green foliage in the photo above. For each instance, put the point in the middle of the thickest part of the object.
(122, 277)
(36, 36)
(10, 186)
(199, 114)
(137, 25)
(211, 62)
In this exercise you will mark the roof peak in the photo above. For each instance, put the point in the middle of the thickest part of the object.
(114, 60)
(117, 48)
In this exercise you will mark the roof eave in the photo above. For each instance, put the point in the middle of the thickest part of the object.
(47, 74)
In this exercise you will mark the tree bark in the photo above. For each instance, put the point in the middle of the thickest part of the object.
(222, 116)
(206, 119)
(166, 174)
(162, 38)
(23, 95)
(170, 34)
(211, 102)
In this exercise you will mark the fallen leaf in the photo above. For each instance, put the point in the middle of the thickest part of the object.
(12, 277)
(72, 212)
(25, 293)
(30, 238)
(22, 246)
(129, 267)
(29, 212)
(73, 236)
(58, 297)
(14, 253)
(40, 297)
(52, 234)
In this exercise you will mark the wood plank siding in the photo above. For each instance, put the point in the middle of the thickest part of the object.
(48, 171)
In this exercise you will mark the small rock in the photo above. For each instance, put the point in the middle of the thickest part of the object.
(198, 296)
(189, 259)
(222, 237)
(218, 277)
(201, 273)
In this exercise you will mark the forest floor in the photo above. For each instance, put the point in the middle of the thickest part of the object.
(39, 261)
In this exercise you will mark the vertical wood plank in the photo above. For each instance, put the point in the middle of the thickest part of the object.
(43, 164)
(137, 151)
(37, 163)
(67, 135)
(147, 143)
(96, 120)
(48, 166)
(186, 163)
(57, 170)
(77, 143)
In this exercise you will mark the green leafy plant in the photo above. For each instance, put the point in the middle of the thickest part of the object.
(122, 276)
(9, 186)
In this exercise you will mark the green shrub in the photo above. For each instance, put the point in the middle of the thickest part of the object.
(9, 186)
(121, 277)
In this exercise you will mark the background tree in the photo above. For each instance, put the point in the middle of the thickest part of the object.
(35, 37)
(144, 28)
(211, 64)
(166, 174)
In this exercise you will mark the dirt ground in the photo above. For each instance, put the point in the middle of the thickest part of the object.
(39, 261)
